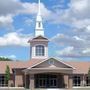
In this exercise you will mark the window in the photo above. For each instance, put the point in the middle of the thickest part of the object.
(51, 62)
(76, 81)
(87, 81)
(2, 81)
(40, 50)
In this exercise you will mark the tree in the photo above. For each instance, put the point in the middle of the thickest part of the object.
(89, 73)
(7, 74)
(5, 59)
(88, 76)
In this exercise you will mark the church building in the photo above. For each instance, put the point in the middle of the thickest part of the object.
(42, 72)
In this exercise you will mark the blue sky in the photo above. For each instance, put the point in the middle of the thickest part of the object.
(66, 24)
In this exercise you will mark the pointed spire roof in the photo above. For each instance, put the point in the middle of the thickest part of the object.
(39, 10)
(39, 25)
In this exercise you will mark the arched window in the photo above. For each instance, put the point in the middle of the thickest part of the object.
(40, 50)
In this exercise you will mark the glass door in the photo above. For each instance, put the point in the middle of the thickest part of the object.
(53, 82)
(42, 83)
(46, 81)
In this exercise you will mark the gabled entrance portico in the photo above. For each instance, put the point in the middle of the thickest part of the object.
(49, 75)
(49, 80)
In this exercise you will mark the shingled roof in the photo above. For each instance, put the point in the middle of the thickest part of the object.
(80, 67)
(17, 64)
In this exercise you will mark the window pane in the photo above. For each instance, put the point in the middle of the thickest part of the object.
(2, 80)
(76, 81)
(39, 50)
(87, 81)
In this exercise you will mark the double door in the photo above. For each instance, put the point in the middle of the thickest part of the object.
(46, 81)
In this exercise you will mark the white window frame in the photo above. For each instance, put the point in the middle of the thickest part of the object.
(2, 81)
(87, 81)
(51, 62)
(76, 79)
(40, 50)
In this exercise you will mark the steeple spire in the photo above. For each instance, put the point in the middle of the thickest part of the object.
(39, 25)
(39, 11)
(39, 44)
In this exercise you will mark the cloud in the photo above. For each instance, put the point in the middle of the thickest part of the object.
(6, 21)
(72, 52)
(74, 46)
(32, 8)
(12, 56)
(87, 51)
(15, 38)
(81, 8)
(68, 40)
(77, 14)
(67, 52)
(29, 21)
(13, 7)
(9, 7)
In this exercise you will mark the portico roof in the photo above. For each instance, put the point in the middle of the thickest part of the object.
(51, 59)
(45, 66)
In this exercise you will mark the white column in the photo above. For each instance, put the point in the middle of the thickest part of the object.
(66, 81)
(25, 78)
(70, 81)
(83, 81)
(32, 82)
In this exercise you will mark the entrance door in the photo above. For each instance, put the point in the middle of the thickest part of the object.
(53, 82)
(42, 83)
(46, 81)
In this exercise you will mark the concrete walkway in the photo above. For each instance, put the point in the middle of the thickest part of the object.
(21, 88)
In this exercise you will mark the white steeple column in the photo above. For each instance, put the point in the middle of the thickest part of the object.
(39, 25)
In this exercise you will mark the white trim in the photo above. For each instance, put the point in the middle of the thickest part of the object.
(51, 69)
(39, 44)
(34, 50)
(42, 47)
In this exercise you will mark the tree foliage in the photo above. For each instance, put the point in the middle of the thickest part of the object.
(7, 74)
(89, 73)
(5, 59)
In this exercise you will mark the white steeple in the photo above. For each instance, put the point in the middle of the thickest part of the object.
(39, 25)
